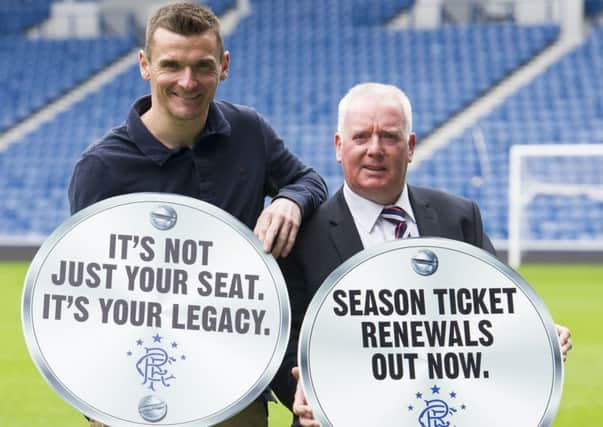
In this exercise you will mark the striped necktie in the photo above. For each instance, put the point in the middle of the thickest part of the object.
(395, 215)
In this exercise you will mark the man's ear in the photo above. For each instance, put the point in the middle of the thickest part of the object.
(224, 66)
(144, 65)
(338, 142)
(412, 141)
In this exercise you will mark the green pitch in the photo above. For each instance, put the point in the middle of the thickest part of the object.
(573, 294)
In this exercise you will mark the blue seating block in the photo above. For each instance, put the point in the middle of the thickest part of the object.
(17, 16)
(293, 61)
(35, 72)
(219, 7)
(560, 106)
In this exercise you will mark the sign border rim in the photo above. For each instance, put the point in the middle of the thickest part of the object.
(340, 272)
(235, 224)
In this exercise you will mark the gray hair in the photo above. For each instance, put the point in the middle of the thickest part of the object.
(375, 88)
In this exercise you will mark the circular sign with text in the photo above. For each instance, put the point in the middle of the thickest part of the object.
(155, 309)
(429, 333)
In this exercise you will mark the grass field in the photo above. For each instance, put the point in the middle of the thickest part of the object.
(573, 294)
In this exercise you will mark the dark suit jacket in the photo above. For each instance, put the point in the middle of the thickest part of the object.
(330, 237)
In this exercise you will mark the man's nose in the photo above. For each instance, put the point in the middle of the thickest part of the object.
(187, 79)
(374, 146)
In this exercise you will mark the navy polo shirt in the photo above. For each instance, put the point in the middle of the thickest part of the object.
(235, 162)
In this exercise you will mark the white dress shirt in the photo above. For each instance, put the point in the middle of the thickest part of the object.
(372, 228)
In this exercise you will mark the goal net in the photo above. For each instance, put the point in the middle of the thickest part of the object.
(555, 199)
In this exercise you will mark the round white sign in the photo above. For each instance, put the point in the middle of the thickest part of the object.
(429, 333)
(155, 309)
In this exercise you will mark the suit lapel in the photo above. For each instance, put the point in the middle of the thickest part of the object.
(342, 229)
(426, 216)
(344, 234)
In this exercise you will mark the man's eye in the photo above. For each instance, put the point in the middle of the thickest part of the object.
(393, 137)
(205, 66)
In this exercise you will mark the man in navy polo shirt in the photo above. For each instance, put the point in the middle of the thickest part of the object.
(179, 140)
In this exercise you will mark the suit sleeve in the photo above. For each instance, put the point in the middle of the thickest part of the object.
(288, 177)
(481, 238)
(284, 384)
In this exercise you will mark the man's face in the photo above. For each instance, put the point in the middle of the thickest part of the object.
(184, 72)
(374, 147)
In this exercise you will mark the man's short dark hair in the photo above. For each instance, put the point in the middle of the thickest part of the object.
(185, 19)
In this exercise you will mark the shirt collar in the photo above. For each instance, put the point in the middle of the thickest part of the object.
(153, 148)
(366, 212)
(216, 123)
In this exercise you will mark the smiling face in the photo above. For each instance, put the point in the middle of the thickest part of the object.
(374, 146)
(184, 72)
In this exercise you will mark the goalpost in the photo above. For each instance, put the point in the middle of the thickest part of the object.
(544, 179)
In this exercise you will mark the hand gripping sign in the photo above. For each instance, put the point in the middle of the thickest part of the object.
(155, 309)
(429, 333)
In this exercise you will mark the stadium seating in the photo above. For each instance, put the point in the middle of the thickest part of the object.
(367, 12)
(563, 105)
(593, 7)
(36, 72)
(219, 6)
(308, 56)
(17, 16)
(292, 61)
(34, 172)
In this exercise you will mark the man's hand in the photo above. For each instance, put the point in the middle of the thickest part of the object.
(300, 405)
(565, 340)
(277, 226)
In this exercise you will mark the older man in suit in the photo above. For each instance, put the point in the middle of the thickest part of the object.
(374, 144)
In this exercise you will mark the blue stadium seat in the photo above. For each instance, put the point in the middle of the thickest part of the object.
(35, 72)
(292, 61)
(17, 16)
(561, 106)
(219, 7)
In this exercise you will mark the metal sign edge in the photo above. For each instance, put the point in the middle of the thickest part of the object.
(336, 275)
(150, 197)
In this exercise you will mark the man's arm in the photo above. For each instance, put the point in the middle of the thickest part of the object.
(301, 409)
(89, 183)
(284, 384)
(277, 226)
(297, 191)
(481, 239)
(565, 340)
